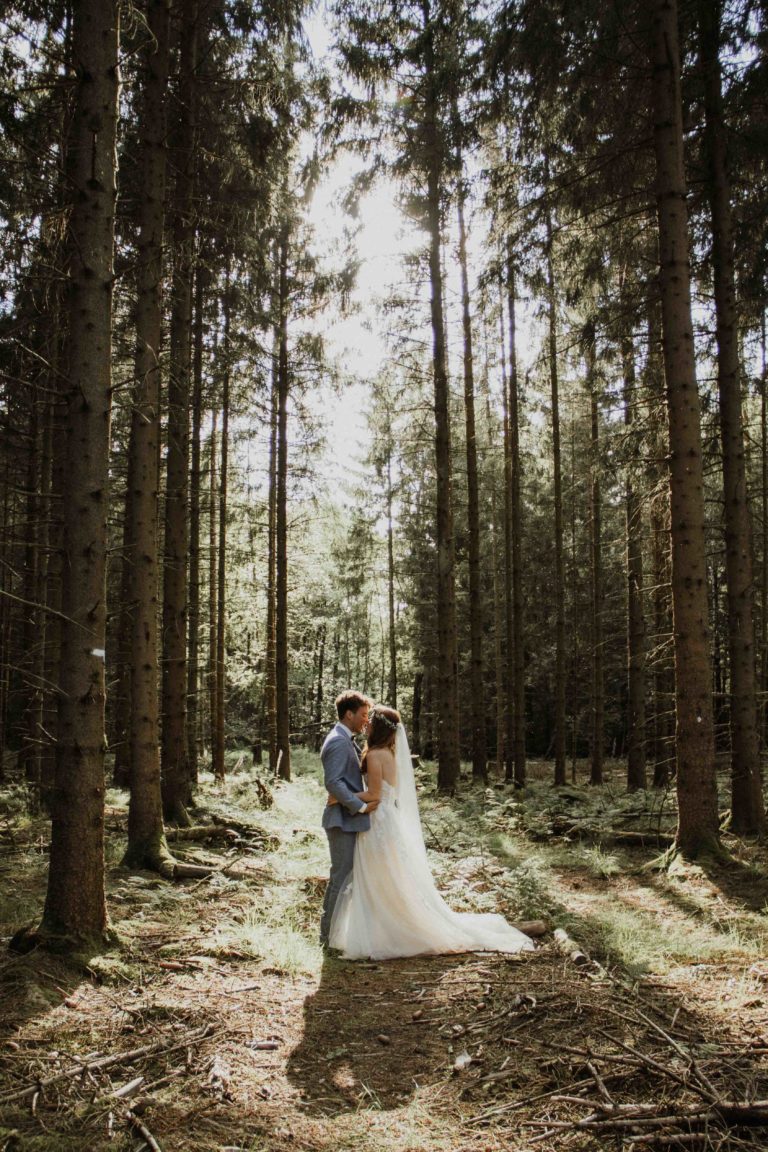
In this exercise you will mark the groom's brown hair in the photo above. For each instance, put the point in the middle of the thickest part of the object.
(350, 701)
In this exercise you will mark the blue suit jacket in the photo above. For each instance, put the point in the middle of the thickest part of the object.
(343, 778)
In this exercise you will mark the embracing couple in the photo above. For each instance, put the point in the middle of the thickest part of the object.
(381, 901)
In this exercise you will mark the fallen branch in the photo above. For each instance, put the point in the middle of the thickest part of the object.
(98, 1065)
(134, 1122)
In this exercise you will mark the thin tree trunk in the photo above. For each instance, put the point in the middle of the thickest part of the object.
(476, 684)
(507, 700)
(558, 493)
(175, 763)
(516, 658)
(498, 604)
(270, 675)
(193, 669)
(597, 735)
(75, 907)
(281, 521)
(698, 825)
(213, 599)
(392, 680)
(636, 778)
(221, 611)
(448, 713)
(146, 835)
(747, 807)
(764, 511)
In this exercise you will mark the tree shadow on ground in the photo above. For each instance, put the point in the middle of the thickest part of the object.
(376, 1032)
(744, 885)
(33, 985)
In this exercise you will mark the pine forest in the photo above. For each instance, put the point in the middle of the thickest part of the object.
(416, 350)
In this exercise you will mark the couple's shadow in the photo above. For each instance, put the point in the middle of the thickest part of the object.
(373, 1033)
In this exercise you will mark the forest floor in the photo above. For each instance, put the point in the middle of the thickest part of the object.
(216, 1024)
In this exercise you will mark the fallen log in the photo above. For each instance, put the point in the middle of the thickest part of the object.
(532, 927)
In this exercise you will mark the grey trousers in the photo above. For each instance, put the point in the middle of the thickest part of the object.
(342, 848)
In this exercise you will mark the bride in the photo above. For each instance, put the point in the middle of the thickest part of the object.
(391, 907)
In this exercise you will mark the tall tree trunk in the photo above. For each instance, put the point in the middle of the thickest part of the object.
(516, 657)
(281, 522)
(270, 672)
(498, 602)
(558, 493)
(747, 807)
(392, 679)
(221, 611)
(195, 496)
(597, 735)
(213, 598)
(175, 763)
(635, 617)
(507, 699)
(698, 826)
(146, 835)
(448, 750)
(75, 906)
(764, 511)
(476, 684)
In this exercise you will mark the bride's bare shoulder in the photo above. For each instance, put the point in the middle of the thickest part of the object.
(378, 756)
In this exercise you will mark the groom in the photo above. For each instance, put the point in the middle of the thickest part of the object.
(343, 778)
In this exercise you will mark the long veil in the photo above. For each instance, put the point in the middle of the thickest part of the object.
(408, 804)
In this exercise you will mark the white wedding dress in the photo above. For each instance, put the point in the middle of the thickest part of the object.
(390, 906)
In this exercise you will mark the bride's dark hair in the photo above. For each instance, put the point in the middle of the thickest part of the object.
(382, 727)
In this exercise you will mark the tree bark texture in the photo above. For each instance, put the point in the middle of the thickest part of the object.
(175, 764)
(75, 907)
(698, 825)
(221, 609)
(213, 599)
(270, 681)
(146, 836)
(195, 501)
